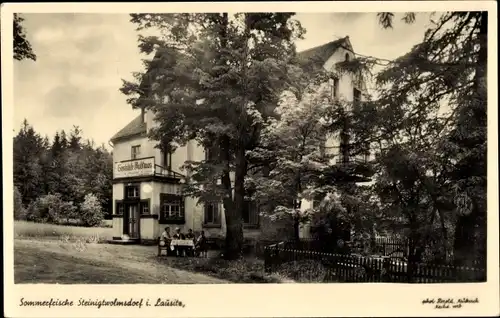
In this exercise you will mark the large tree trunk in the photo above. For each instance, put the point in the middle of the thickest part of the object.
(234, 226)
(233, 203)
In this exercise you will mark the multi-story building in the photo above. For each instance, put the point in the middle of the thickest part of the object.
(147, 183)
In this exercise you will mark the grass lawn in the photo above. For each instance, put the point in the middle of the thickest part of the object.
(24, 229)
(47, 253)
(53, 261)
(54, 268)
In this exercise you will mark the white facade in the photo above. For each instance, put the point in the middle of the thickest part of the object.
(346, 86)
(152, 188)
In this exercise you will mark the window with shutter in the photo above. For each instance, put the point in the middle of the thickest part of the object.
(211, 214)
(250, 214)
(335, 88)
(211, 153)
(132, 192)
(119, 207)
(145, 207)
(171, 209)
(356, 97)
(135, 152)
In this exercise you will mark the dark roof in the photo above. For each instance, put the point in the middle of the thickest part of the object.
(134, 128)
(320, 54)
(317, 55)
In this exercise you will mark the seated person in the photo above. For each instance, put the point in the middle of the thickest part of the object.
(190, 236)
(180, 250)
(201, 245)
(165, 236)
(178, 235)
(165, 239)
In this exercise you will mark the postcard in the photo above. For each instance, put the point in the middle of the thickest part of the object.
(250, 159)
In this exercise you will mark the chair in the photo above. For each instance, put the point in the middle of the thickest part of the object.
(163, 245)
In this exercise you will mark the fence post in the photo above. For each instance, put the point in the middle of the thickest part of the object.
(406, 248)
(386, 270)
(410, 270)
(266, 261)
(267, 266)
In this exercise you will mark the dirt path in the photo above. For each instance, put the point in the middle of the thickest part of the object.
(73, 263)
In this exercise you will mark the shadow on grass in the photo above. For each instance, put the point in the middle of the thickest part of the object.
(66, 262)
(42, 267)
(81, 263)
(245, 271)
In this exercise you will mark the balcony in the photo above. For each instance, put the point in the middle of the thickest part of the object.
(355, 168)
(143, 167)
(166, 172)
(354, 160)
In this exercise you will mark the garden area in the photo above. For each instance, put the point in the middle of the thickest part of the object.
(48, 253)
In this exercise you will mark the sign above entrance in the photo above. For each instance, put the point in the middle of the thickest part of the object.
(134, 168)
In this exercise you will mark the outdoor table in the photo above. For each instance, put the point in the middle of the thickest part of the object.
(184, 247)
(184, 243)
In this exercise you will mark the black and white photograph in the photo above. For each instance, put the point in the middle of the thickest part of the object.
(253, 147)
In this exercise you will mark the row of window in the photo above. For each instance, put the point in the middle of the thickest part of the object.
(166, 156)
(172, 209)
(210, 154)
(143, 207)
(335, 83)
(345, 153)
(212, 215)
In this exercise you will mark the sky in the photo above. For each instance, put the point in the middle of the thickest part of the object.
(82, 59)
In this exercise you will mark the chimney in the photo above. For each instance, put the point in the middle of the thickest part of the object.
(143, 112)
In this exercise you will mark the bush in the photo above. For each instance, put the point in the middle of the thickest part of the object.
(277, 230)
(91, 213)
(50, 208)
(19, 210)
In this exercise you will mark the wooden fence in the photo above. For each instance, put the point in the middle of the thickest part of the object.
(325, 267)
(385, 246)
(389, 246)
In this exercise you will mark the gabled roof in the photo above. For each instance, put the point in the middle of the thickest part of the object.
(320, 54)
(136, 127)
(316, 56)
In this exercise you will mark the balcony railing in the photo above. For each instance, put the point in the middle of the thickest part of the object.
(166, 172)
(354, 160)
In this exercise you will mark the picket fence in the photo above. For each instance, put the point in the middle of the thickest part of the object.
(326, 267)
